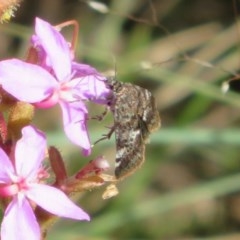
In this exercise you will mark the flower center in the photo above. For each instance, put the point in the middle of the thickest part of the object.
(65, 92)
(7, 190)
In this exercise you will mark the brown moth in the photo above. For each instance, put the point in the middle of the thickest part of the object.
(135, 118)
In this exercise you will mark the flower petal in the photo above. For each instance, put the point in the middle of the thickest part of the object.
(75, 127)
(29, 152)
(6, 167)
(83, 69)
(56, 202)
(26, 82)
(19, 222)
(56, 48)
(90, 83)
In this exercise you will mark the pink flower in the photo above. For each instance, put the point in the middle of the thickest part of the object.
(56, 80)
(21, 181)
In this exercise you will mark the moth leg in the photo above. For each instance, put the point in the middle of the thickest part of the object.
(106, 136)
(101, 116)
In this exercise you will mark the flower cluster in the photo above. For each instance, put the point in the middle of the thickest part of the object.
(56, 79)
(49, 76)
(21, 180)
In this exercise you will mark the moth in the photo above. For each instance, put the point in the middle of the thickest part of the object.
(135, 118)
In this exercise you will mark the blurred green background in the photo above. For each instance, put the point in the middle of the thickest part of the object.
(181, 50)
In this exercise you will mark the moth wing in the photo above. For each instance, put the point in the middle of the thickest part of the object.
(130, 150)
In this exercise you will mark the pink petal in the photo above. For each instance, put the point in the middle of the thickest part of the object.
(74, 120)
(56, 202)
(19, 222)
(90, 84)
(26, 82)
(90, 88)
(6, 167)
(56, 47)
(83, 69)
(29, 152)
(96, 90)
